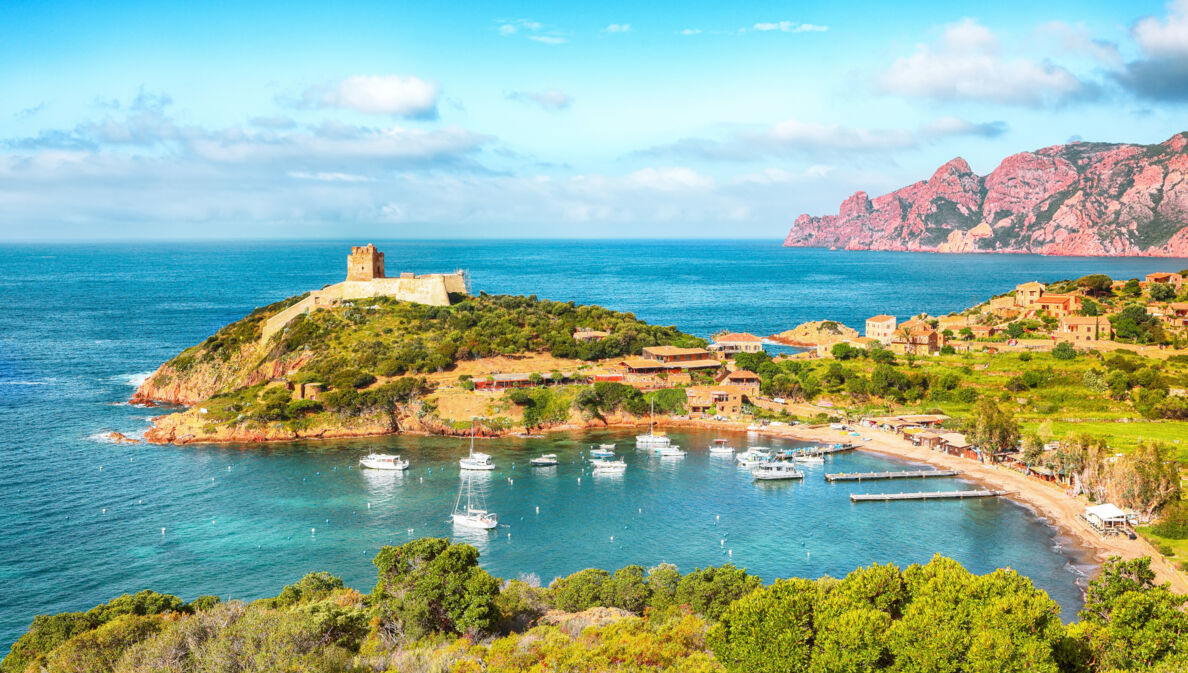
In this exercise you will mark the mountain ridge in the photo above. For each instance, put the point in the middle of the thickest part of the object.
(1082, 198)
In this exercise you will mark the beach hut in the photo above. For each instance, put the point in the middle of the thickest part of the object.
(1106, 518)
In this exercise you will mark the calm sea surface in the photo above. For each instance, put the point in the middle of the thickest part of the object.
(81, 520)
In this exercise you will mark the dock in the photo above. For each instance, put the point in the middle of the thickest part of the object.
(933, 495)
(911, 474)
(824, 450)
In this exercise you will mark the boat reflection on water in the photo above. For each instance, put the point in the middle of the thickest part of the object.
(383, 484)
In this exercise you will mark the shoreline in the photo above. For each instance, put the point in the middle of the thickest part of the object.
(1047, 502)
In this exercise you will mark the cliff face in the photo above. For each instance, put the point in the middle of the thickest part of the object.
(1076, 199)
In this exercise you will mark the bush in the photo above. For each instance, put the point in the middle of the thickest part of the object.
(1173, 522)
(711, 590)
(580, 591)
(314, 586)
(1024, 357)
(1064, 351)
(432, 586)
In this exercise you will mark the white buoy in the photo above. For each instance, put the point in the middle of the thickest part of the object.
(312, 531)
(422, 480)
(509, 536)
(612, 538)
(730, 552)
(717, 517)
(368, 505)
(100, 468)
(808, 554)
(723, 542)
(162, 531)
(105, 510)
(139, 502)
(410, 531)
(212, 521)
(538, 509)
(579, 480)
(228, 468)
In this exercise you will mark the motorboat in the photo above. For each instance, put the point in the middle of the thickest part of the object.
(808, 459)
(476, 460)
(721, 447)
(670, 452)
(609, 465)
(753, 456)
(652, 440)
(472, 516)
(544, 460)
(602, 451)
(779, 469)
(383, 461)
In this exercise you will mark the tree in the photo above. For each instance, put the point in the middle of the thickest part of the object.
(844, 351)
(1033, 449)
(710, 591)
(1064, 351)
(1133, 323)
(992, 428)
(1097, 284)
(581, 590)
(767, 631)
(1148, 478)
(1090, 308)
(1161, 292)
(1015, 330)
(1132, 288)
(431, 586)
(1129, 623)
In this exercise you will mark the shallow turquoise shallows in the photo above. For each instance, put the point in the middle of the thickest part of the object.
(81, 520)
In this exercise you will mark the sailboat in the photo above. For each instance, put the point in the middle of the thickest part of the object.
(471, 516)
(652, 440)
(477, 460)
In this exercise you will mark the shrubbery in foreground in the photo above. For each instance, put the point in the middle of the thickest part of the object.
(435, 609)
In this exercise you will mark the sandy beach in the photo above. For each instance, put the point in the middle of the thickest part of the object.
(1047, 500)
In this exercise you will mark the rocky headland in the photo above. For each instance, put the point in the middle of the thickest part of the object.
(1076, 199)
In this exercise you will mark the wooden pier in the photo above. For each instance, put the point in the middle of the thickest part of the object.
(823, 450)
(933, 495)
(911, 474)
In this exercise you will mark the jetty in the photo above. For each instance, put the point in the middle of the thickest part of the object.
(822, 450)
(930, 495)
(910, 474)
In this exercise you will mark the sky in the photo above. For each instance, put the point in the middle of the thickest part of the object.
(526, 120)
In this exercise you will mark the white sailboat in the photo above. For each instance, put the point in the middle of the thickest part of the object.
(472, 516)
(477, 460)
(383, 461)
(544, 460)
(652, 440)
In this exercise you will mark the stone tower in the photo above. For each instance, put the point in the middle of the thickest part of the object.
(365, 263)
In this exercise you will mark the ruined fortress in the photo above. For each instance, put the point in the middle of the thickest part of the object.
(366, 278)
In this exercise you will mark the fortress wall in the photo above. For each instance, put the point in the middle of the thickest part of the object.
(455, 282)
(432, 289)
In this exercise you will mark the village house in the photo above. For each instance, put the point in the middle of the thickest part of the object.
(1059, 305)
(736, 342)
(670, 354)
(523, 380)
(666, 360)
(1027, 293)
(1173, 279)
(952, 322)
(1003, 303)
(983, 331)
(1085, 328)
(825, 350)
(918, 339)
(746, 381)
(881, 328)
(714, 400)
(588, 335)
(1177, 314)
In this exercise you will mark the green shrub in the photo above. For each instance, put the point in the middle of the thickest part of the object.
(710, 591)
(1173, 522)
(582, 590)
(1064, 351)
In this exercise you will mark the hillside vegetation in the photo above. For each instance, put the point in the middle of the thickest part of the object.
(434, 609)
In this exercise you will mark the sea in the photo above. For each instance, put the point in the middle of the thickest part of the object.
(83, 520)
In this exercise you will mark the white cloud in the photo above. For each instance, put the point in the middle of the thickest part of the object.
(324, 176)
(793, 137)
(1075, 39)
(549, 99)
(410, 96)
(790, 27)
(968, 65)
(618, 28)
(668, 179)
(1164, 38)
(548, 39)
(512, 26)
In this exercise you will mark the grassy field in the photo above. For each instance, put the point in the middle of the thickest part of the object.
(1179, 548)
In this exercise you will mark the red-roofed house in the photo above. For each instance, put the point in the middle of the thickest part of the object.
(736, 342)
(881, 327)
(745, 380)
(1173, 279)
(1086, 328)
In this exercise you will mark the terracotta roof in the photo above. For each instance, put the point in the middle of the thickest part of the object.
(1026, 286)
(881, 318)
(737, 336)
(1084, 320)
(590, 332)
(742, 375)
(1054, 299)
(673, 350)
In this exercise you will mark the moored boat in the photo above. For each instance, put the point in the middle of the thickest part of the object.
(602, 452)
(544, 460)
(652, 440)
(753, 456)
(779, 469)
(671, 452)
(383, 461)
(476, 460)
(472, 516)
(721, 447)
(609, 465)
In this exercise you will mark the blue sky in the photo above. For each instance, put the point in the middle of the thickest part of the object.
(252, 119)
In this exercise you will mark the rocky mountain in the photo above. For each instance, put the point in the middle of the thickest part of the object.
(1076, 199)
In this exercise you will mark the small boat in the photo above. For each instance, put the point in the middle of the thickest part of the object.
(806, 459)
(603, 452)
(670, 452)
(652, 440)
(754, 427)
(609, 465)
(544, 460)
(477, 460)
(753, 456)
(383, 461)
(609, 447)
(472, 516)
(779, 469)
(721, 446)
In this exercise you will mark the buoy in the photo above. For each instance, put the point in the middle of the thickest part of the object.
(212, 479)
(212, 522)
(808, 554)
(612, 538)
(228, 468)
(509, 536)
(410, 531)
(130, 460)
(139, 502)
(538, 509)
(422, 480)
(717, 517)
(105, 510)
(579, 480)
(100, 468)
(510, 481)
(312, 531)
(162, 531)
(730, 552)
(327, 520)
(641, 510)
(368, 505)
(723, 542)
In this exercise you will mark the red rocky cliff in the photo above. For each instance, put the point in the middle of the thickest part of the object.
(1076, 199)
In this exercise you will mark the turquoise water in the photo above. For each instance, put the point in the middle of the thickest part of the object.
(80, 323)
